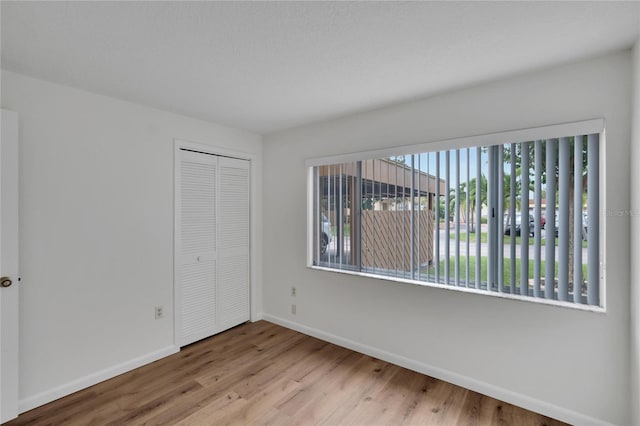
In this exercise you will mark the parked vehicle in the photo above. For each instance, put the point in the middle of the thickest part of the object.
(325, 236)
(518, 222)
(585, 225)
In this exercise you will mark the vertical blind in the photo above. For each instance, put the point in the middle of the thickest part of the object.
(518, 218)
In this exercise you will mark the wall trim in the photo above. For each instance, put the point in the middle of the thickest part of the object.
(45, 397)
(484, 388)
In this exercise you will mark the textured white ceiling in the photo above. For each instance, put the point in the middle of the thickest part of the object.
(265, 66)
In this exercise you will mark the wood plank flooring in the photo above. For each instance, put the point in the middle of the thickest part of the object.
(262, 373)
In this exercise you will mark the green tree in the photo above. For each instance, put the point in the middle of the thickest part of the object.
(472, 200)
(544, 177)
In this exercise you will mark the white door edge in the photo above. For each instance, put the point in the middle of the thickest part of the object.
(9, 360)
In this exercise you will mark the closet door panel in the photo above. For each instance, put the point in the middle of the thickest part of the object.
(233, 244)
(196, 237)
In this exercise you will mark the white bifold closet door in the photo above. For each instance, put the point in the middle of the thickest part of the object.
(212, 245)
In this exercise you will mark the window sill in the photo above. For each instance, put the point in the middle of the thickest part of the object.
(551, 302)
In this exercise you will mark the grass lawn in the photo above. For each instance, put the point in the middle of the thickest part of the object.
(507, 239)
(483, 269)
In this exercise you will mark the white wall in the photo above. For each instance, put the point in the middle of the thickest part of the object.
(635, 240)
(570, 364)
(96, 230)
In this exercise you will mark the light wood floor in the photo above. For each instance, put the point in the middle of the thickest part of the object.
(262, 373)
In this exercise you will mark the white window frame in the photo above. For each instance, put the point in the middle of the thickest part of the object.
(585, 127)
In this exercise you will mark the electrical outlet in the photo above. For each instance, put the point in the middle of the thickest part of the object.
(293, 309)
(159, 312)
(293, 291)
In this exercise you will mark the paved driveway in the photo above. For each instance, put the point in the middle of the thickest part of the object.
(483, 246)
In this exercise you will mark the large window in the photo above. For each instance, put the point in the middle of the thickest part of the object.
(515, 219)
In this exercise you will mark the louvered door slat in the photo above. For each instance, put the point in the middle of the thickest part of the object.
(198, 187)
(198, 299)
(233, 290)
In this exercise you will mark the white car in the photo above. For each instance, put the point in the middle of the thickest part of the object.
(585, 224)
(325, 236)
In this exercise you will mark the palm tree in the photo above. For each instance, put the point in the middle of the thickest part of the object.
(472, 199)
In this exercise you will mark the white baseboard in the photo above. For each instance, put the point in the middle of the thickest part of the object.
(92, 379)
(496, 392)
